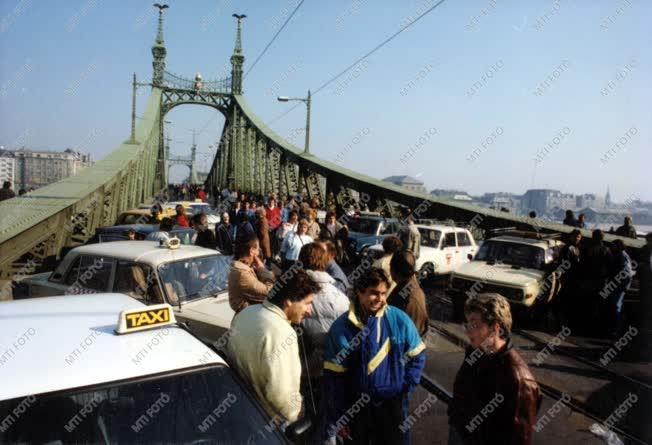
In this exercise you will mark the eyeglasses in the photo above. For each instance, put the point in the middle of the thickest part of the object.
(469, 326)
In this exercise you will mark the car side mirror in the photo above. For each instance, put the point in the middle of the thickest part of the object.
(296, 430)
(469, 256)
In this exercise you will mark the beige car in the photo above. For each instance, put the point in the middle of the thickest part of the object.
(522, 268)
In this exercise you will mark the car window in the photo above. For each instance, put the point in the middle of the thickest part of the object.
(94, 273)
(463, 239)
(430, 238)
(516, 254)
(449, 240)
(388, 228)
(195, 278)
(363, 225)
(138, 281)
(200, 407)
(73, 271)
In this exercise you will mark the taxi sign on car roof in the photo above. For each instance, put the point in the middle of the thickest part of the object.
(139, 319)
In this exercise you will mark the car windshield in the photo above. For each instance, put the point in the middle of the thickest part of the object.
(363, 225)
(515, 254)
(205, 406)
(195, 278)
(429, 237)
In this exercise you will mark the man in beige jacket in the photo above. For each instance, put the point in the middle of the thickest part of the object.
(249, 280)
(264, 345)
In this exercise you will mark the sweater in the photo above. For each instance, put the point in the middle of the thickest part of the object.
(264, 348)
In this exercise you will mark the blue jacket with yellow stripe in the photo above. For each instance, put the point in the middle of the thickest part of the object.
(381, 358)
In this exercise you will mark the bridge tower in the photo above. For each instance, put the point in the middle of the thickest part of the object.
(158, 50)
(237, 59)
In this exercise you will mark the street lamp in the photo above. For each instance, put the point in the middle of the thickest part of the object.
(305, 100)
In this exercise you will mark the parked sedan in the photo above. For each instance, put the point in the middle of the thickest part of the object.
(443, 249)
(190, 278)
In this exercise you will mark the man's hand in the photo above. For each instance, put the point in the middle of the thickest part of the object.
(258, 263)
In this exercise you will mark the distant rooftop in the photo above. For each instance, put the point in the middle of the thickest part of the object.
(405, 179)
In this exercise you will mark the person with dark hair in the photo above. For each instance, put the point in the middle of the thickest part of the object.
(21, 192)
(244, 230)
(249, 279)
(627, 229)
(262, 232)
(570, 220)
(334, 270)
(620, 280)
(532, 214)
(391, 245)
(6, 192)
(329, 303)
(409, 234)
(593, 273)
(408, 295)
(205, 236)
(225, 235)
(131, 235)
(335, 232)
(644, 271)
(163, 232)
(492, 374)
(567, 304)
(372, 353)
(581, 221)
(155, 214)
(180, 217)
(264, 346)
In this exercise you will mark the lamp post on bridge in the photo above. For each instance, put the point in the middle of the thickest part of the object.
(134, 87)
(305, 100)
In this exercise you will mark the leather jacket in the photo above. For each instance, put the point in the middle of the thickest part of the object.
(495, 399)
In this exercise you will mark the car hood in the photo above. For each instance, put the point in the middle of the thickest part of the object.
(211, 310)
(498, 273)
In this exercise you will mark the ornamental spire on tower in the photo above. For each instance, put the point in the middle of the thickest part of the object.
(237, 59)
(158, 49)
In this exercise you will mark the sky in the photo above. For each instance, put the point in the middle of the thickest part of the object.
(481, 96)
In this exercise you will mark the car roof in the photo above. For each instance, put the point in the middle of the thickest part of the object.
(148, 252)
(441, 227)
(141, 228)
(59, 343)
(529, 241)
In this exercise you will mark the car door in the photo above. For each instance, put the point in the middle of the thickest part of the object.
(465, 247)
(449, 247)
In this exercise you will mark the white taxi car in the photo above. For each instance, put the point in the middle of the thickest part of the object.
(522, 267)
(443, 249)
(192, 279)
(108, 369)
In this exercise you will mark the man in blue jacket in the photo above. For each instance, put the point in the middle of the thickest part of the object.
(372, 362)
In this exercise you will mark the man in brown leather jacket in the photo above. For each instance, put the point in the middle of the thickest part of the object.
(495, 396)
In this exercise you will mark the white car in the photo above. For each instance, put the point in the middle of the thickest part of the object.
(107, 369)
(443, 249)
(190, 278)
(522, 267)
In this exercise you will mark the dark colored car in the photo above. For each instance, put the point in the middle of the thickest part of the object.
(367, 230)
(120, 233)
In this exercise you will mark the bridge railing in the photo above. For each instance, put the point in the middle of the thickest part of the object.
(38, 224)
(212, 86)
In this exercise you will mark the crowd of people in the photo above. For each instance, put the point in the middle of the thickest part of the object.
(314, 342)
(596, 279)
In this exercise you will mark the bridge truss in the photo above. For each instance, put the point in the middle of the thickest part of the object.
(251, 158)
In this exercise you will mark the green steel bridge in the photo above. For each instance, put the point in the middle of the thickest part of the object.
(251, 158)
